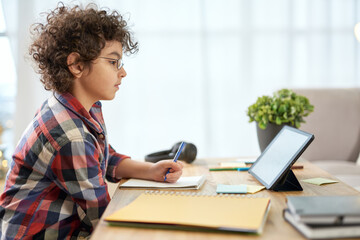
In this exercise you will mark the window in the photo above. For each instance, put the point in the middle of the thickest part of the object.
(7, 90)
(201, 64)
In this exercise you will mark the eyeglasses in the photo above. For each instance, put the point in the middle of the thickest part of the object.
(118, 63)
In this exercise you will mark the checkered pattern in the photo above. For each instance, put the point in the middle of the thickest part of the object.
(55, 187)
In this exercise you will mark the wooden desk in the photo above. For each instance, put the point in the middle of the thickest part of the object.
(275, 228)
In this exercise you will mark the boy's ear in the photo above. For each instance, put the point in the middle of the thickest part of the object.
(75, 66)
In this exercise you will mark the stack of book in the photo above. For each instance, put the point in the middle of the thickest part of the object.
(324, 217)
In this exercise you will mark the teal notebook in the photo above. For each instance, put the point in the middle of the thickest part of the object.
(221, 188)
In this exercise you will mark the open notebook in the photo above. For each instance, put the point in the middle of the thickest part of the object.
(194, 212)
(194, 182)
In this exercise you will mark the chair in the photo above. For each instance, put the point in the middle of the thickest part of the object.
(335, 123)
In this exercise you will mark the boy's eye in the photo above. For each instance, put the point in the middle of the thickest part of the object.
(112, 62)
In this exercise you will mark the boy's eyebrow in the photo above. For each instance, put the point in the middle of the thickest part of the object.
(116, 54)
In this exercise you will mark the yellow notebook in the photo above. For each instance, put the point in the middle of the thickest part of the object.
(194, 212)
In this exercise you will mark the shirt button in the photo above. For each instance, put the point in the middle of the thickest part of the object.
(101, 136)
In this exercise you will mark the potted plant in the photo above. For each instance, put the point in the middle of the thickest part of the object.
(285, 107)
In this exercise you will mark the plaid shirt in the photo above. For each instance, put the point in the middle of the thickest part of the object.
(55, 188)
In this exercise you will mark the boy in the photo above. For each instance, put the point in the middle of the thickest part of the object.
(55, 188)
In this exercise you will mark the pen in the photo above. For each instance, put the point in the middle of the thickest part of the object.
(223, 169)
(230, 169)
(182, 145)
(297, 167)
(243, 169)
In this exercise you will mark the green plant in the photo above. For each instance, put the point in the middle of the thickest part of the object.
(284, 107)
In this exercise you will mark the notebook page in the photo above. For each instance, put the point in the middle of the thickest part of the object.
(193, 182)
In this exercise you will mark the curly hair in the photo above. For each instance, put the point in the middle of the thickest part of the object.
(84, 31)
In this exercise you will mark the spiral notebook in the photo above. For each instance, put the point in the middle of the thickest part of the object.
(194, 212)
(193, 182)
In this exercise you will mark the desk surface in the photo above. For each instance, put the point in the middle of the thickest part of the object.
(275, 228)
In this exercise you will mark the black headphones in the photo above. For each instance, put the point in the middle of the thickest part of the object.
(188, 154)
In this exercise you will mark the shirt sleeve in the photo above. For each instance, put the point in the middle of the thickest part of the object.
(114, 159)
(76, 170)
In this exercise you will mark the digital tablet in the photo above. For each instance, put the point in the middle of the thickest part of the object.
(274, 163)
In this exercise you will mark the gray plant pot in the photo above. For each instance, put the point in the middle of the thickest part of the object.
(267, 135)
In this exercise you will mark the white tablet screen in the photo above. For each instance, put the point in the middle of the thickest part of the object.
(280, 153)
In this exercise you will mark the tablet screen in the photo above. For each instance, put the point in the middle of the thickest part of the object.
(279, 155)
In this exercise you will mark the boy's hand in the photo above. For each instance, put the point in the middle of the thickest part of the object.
(159, 169)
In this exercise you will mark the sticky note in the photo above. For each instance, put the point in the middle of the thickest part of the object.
(319, 181)
(222, 188)
(254, 188)
(242, 188)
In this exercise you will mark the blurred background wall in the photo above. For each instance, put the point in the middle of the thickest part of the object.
(201, 64)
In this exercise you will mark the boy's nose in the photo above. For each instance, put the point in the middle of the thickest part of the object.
(122, 73)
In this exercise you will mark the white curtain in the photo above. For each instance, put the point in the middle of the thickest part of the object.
(203, 62)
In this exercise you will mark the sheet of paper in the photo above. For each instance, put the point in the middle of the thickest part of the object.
(233, 164)
(319, 181)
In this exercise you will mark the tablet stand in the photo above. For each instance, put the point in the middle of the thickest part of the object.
(288, 183)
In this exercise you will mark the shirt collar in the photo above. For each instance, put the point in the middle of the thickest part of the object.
(71, 103)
